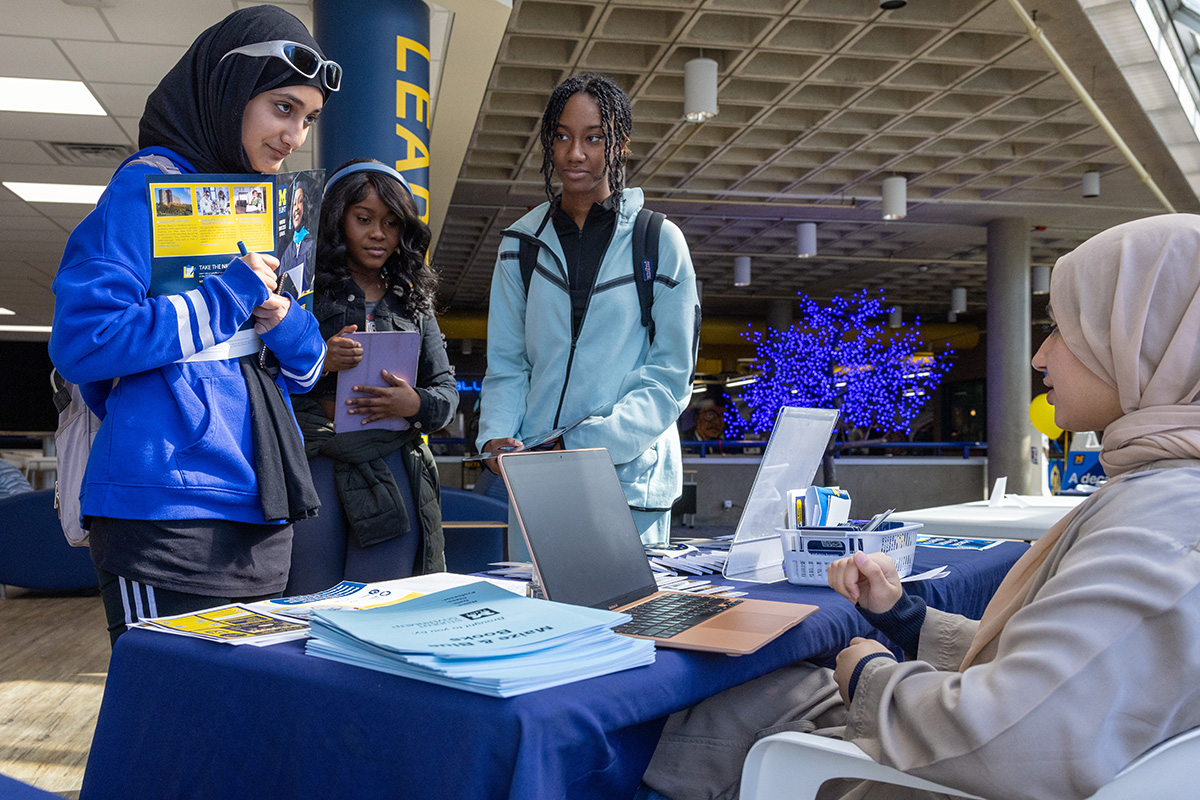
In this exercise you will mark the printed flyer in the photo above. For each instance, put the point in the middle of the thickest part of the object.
(199, 220)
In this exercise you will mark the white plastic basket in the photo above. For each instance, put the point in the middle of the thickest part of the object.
(808, 552)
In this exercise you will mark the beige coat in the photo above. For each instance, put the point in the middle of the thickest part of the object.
(1101, 663)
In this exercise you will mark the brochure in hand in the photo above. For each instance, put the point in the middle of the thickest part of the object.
(480, 638)
(542, 441)
(198, 222)
(395, 351)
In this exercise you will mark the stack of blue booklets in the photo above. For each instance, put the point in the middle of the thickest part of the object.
(480, 638)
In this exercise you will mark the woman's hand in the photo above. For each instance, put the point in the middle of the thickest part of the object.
(342, 353)
(275, 308)
(264, 267)
(270, 313)
(495, 446)
(848, 659)
(870, 580)
(397, 399)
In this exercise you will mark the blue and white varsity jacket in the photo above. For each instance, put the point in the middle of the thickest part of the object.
(539, 377)
(175, 441)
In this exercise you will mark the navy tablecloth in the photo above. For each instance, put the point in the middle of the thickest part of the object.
(182, 718)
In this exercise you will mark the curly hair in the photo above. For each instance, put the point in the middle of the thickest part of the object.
(404, 268)
(616, 121)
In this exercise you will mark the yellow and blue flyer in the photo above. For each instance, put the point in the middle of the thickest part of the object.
(198, 221)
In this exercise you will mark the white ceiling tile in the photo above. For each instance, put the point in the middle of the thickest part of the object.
(116, 62)
(52, 18)
(57, 127)
(23, 57)
(10, 225)
(142, 20)
(55, 173)
(22, 151)
(122, 99)
(130, 126)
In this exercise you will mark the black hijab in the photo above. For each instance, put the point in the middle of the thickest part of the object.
(197, 108)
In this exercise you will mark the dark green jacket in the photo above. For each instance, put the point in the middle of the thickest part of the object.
(367, 488)
(370, 497)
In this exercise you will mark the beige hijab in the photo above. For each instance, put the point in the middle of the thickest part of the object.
(1127, 304)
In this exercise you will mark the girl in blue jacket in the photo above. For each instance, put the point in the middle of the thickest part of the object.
(574, 345)
(197, 471)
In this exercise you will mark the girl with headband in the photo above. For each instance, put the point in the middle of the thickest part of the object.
(1087, 655)
(197, 471)
(382, 513)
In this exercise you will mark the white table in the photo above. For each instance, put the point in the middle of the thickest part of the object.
(1010, 520)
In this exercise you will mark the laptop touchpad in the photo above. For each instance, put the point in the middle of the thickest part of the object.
(737, 619)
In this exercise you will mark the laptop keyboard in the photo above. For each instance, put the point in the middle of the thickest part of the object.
(666, 615)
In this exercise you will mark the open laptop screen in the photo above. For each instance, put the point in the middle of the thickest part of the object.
(576, 522)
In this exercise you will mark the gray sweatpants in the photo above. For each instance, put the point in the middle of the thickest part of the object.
(702, 749)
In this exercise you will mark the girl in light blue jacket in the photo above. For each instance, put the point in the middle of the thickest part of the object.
(574, 345)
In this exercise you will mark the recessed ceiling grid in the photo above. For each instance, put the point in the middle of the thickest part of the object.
(819, 101)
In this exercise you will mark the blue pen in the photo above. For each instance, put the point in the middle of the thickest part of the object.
(262, 353)
(242, 249)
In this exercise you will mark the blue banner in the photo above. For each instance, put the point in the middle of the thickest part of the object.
(383, 108)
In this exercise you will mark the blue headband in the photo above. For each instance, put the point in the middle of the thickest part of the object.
(367, 166)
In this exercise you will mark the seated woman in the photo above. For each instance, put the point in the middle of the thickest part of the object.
(381, 503)
(1087, 656)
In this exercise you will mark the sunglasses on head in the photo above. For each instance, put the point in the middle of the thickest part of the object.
(300, 57)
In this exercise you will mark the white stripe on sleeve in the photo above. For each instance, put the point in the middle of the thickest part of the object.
(183, 318)
(307, 379)
(203, 318)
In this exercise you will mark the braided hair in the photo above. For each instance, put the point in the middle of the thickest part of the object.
(405, 267)
(616, 121)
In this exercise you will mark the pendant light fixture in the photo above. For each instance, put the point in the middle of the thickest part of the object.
(895, 197)
(806, 239)
(741, 271)
(1040, 280)
(958, 300)
(700, 90)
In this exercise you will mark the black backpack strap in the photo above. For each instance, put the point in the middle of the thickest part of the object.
(61, 390)
(527, 253)
(646, 229)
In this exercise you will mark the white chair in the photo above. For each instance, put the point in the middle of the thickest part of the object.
(792, 766)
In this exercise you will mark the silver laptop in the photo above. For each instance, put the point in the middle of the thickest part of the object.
(586, 551)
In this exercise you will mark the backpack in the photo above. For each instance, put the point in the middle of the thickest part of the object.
(646, 230)
(77, 425)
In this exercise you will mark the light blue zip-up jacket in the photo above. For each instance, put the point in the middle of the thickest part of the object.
(538, 378)
(175, 441)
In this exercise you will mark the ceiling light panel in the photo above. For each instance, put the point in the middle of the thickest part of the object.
(36, 95)
(55, 192)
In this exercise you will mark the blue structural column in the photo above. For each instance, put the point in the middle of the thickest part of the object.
(382, 110)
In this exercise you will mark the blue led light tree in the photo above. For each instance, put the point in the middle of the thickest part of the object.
(840, 356)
